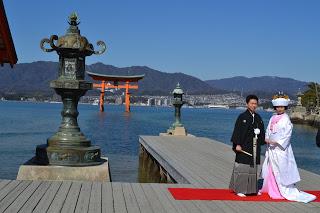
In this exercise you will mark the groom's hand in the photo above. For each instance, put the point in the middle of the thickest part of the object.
(238, 148)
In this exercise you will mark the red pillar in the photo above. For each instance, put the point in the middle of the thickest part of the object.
(127, 99)
(101, 101)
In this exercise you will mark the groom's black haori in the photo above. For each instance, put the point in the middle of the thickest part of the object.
(244, 176)
(243, 135)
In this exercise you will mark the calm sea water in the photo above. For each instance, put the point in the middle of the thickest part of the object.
(25, 125)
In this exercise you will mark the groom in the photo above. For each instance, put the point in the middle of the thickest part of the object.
(244, 177)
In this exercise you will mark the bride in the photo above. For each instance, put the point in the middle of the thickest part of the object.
(279, 170)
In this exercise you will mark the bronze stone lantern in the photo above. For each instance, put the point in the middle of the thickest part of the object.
(69, 146)
(299, 95)
(177, 103)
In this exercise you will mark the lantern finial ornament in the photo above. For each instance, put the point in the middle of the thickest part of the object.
(73, 19)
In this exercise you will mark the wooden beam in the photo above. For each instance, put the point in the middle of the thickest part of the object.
(123, 86)
(7, 50)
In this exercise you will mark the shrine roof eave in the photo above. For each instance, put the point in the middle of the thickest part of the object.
(120, 78)
(7, 50)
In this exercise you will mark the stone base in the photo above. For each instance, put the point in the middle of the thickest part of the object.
(299, 109)
(168, 135)
(178, 131)
(181, 131)
(31, 171)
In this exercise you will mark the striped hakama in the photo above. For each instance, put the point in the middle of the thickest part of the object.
(244, 179)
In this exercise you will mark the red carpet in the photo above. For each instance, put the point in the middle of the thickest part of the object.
(223, 194)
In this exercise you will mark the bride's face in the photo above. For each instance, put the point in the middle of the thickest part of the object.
(280, 109)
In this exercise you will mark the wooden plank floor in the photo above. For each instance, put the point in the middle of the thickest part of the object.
(35, 196)
(201, 162)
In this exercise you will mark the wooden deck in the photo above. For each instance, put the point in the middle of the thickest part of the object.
(193, 162)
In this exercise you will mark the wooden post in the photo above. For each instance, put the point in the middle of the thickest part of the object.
(101, 102)
(127, 99)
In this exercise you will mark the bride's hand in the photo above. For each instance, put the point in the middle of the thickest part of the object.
(270, 142)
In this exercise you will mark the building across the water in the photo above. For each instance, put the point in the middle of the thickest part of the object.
(218, 106)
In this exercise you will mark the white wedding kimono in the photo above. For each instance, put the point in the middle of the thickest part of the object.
(280, 157)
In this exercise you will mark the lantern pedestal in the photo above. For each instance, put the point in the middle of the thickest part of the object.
(32, 171)
(178, 131)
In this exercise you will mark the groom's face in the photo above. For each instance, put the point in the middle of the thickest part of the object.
(252, 105)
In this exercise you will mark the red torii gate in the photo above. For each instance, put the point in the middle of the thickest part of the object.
(112, 82)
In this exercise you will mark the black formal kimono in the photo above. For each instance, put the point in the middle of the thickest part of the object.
(244, 176)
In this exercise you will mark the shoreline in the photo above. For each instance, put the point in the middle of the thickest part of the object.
(312, 120)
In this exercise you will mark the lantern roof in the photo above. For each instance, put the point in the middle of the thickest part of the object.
(72, 41)
(178, 90)
(299, 93)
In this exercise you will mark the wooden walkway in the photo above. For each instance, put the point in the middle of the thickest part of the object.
(203, 162)
(207, 163)
(199, 161)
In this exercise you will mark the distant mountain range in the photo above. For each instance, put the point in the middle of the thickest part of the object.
(34, 78)
(156, 82)
(264, 86)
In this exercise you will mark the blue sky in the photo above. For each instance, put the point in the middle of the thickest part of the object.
(207, 39)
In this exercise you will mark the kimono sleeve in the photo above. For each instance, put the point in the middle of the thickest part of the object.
(284, 139)
(267, 135)
(237, 132)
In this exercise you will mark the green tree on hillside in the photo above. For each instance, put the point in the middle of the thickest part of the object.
(311, 96)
